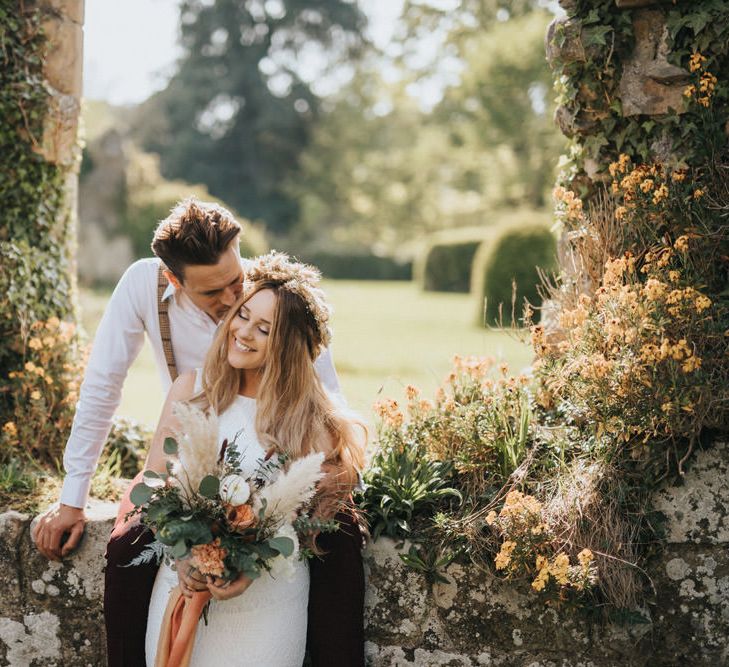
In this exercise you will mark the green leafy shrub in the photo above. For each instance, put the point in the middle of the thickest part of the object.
(127, 445)
(402, 486)
(512, 258)
(347, 265)
(447, 266)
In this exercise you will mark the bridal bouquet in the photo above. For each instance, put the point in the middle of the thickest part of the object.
(206, 509)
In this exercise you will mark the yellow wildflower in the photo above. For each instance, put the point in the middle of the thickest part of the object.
(698, 193)
(696, 61)
(53, 323)
(35, 344)
(503, 558)
(654, 289)
(559, 568)
(491, 518)
(689, 91)
(681, 243)
(693, 363)
(678, 176)
(646, 185)
(412, 392)
(702, 303)
(35, 395)
(585, 558)
(49, 341)
(30, 366)
(620, 213)
(10, 429)
(660, 194)
(674, 276)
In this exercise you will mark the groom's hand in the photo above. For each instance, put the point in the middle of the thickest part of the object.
(53, 524)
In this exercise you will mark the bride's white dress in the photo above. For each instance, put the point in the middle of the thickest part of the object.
(266, 625)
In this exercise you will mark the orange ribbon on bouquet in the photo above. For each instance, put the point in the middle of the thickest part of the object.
(177, 635)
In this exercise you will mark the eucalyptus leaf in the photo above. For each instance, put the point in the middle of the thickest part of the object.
(140, 494)
(284, 545)
(179, 550)
(170, 446)
(209, 486)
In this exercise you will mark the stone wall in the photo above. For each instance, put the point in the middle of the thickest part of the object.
(51, 613)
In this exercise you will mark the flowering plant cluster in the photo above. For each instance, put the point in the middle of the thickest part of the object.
(227, 522)
(654, 201)
(528, 549)
(640, 359)
(477, 422)
(45, 390)
(702, 89)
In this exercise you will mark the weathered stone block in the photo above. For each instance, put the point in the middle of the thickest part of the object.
(697, 511)
(60, 131)
(649, 83)
(63, 65)
(70, 9)
(53, 614)
(563, 42)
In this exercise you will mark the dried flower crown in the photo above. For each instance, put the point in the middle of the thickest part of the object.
(297, 278)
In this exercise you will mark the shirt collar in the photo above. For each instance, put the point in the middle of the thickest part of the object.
(170, 291)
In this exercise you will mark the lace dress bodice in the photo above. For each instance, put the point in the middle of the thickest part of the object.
(266, 625)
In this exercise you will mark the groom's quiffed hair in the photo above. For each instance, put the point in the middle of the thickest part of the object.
(194, 232)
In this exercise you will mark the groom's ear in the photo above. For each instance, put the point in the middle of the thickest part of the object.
(172, 278)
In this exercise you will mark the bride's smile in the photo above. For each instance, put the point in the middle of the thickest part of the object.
(249, 331)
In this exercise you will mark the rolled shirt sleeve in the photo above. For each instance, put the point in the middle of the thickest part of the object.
(117, 343)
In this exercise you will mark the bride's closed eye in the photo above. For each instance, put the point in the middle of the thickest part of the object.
(242, 314)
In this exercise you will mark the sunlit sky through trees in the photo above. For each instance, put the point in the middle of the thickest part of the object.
(130, 50)
(130, 47)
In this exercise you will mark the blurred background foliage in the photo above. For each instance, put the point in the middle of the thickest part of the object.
(404, 159)
(339, 149)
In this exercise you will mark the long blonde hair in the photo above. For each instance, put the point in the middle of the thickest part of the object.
(294, 415)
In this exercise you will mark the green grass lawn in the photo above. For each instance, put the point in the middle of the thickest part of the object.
(386, 335)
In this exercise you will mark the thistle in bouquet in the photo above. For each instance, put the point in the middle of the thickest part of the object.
(204, 507)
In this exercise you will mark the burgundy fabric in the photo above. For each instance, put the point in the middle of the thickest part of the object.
(335, 636)
(127, 591)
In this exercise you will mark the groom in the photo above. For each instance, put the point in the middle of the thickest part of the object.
(178, 299)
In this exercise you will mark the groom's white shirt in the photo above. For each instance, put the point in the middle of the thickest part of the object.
(132, 311)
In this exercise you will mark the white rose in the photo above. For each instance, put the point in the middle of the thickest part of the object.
(234, 489)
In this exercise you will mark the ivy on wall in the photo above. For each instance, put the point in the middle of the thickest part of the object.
(36, 286)
(588, 88)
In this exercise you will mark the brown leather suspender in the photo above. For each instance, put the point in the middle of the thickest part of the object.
(164, 323)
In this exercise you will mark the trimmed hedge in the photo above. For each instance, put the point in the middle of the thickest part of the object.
(446, 261)
(513, 255)
(357, 266)
(448, 266)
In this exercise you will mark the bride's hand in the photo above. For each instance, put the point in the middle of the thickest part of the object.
(221, 589)
(190, 579)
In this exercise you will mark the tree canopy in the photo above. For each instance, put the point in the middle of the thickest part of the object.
(238, 111)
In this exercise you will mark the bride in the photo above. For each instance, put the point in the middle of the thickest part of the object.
(259, 378)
